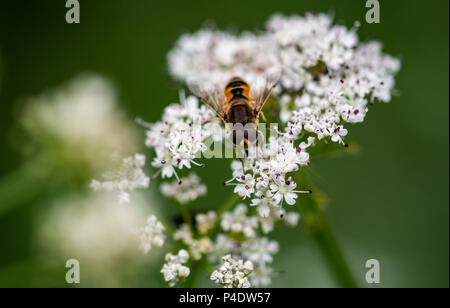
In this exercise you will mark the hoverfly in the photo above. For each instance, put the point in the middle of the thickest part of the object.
(239, 106)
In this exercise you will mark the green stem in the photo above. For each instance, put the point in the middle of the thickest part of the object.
(22, 185)
(315, 221)
(186, 214)
(195, 270)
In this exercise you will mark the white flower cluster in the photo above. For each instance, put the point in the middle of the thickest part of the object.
(214, 57)
(233, 273)
(328, 77)
(237, 222)
(241, 239)
(80, 125)
(251, 247)
(126, 179)
(189, 189)
(289, 218)
(197, 247)
(96, 228)
(205, 222)
(267, 182)
(260, 251)
(223, 245)
(178, 138)
(174, 271)
(151, 234)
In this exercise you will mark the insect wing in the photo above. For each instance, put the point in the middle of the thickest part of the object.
(210, 95)
(262, 88)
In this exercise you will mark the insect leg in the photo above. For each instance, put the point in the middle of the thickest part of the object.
(263, 116)
(264, 120)
(240, 158)
(261, 137)
(211, 120)
(243, 164)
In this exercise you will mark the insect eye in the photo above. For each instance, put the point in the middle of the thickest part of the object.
(255, 112)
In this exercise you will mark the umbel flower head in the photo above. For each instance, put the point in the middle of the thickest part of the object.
(79, 126)
(205, 222)
(103, 234)
(328, 80)
(197, 247)
(210, 56)
(328, 76)
(126, 179)
(238, 222)
(178, 139)
(174, 271)
(188, 190)
(152, 234)
(233, 273)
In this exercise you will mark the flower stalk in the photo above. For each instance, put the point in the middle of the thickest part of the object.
(186, 214)
(228, 204)
(22, 185)
(315, 222)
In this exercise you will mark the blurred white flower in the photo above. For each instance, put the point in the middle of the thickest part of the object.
(278, 215)
(189, 189)
(95, 223)
(184, 234)
(80, 125)
(261, 275)
(200, 247)
(197, 247)
(126, 179)
(99, 232)
(205, 222)
(259, 250)
(238, 222)
(223, 245)
(152, 234)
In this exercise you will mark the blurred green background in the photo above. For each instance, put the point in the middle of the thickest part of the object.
(390, 202)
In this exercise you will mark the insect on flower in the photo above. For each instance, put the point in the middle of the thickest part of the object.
(239, 106)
